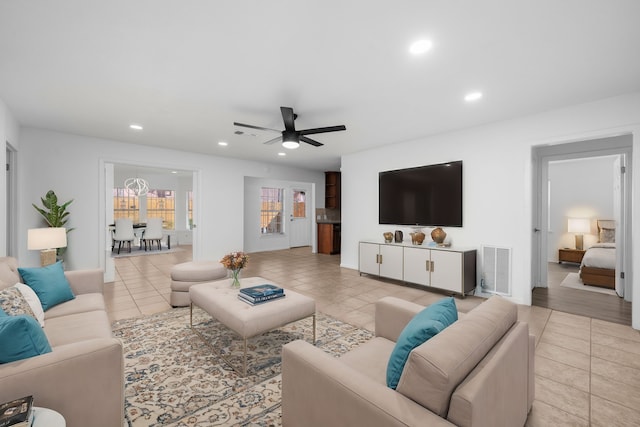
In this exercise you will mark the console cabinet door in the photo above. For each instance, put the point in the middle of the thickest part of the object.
(391, 262)
(369, 258)
(417, 266)
(447, 270)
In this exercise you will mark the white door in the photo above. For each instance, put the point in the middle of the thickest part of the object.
(299, 218)
(446, 271)
(417, 266)
(391, 261)
(369, 258)
(619, 217)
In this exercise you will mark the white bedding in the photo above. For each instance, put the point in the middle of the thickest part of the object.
(600, 255)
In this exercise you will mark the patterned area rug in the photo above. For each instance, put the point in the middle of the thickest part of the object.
(174, 378)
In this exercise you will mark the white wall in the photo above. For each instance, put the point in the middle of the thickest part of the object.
(497, 179)
(70, 165)
(9, 132)
(580, 188)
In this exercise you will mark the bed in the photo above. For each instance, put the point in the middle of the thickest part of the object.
(598, 267)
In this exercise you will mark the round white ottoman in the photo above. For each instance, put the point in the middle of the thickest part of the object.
(186, 274)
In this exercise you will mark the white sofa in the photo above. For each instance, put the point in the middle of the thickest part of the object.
(83, 376)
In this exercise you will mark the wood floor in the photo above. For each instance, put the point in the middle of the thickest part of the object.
(600, 306)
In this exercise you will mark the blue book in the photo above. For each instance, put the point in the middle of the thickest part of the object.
(262, 290)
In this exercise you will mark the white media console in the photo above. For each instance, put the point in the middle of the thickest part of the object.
(448, 268)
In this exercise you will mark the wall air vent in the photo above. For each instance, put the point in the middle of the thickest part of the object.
(496, 270)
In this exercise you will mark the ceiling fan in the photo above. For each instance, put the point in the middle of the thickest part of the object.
(291, 137)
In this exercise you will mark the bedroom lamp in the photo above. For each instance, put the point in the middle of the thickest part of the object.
(47, 240)
(579, 226)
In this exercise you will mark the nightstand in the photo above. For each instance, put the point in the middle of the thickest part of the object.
(570, 255)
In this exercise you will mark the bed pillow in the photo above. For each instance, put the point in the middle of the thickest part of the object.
(14, 303)
(33, 301)
(424, 325)
(607, 235)
(21, 337)
(49, 283)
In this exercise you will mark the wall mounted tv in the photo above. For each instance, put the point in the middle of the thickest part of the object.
(423, 196)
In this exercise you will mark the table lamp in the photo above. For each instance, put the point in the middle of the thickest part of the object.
(47, 240)
(579, 226)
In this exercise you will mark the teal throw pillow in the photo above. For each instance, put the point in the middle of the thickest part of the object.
(49, 283)
(21, 337)
(423, 326)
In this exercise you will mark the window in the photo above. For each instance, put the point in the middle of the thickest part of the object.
(299, 204)
(161, 204)
(271, 210)
(189, 210)
(125, 204)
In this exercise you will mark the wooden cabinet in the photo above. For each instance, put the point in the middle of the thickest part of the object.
(332, 184)
(443, 268)
(570, 255)
(328, 238)
(381, 260)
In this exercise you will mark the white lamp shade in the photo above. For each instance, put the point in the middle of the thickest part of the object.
(46, 238)
(579, 225)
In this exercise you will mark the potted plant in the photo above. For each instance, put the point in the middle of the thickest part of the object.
(55, 215)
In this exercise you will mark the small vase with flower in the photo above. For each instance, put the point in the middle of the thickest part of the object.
(235, 262)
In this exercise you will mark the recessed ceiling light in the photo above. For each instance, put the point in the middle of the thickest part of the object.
(473, 96)
(135, 127)
(174, 171)
(223, 143)
(282, 154)
(421, 46)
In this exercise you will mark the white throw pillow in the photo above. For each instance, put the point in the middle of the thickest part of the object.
(33, 301)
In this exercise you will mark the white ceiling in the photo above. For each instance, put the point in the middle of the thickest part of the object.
(186, 70)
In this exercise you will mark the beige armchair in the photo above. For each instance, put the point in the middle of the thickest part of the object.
(476, 372)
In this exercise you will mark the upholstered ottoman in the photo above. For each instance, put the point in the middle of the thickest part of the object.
(221, 301)
(189, 273)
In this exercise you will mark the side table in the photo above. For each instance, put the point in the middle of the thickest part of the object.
(44, 417)
(570, 255)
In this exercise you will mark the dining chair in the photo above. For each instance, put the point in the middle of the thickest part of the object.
(153, 233)
(123, 233)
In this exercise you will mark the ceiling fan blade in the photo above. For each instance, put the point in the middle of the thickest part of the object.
(288, 118)
(274, 140)
(311, 141)
(254, 127)
(322, 130)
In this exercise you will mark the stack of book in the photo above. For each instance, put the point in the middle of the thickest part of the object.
(17, 413)
(260, 294)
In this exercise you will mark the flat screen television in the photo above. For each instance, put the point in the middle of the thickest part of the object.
(423, 196)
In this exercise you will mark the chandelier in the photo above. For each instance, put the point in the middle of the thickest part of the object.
(139, 186)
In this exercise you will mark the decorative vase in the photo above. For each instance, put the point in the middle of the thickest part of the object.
(438, 235)
(388, 237)
(234, 274)
(399, 237)
(417, 237)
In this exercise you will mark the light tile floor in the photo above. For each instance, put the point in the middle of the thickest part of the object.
(587, 370)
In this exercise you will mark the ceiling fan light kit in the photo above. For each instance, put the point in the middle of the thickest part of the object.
(291, 137)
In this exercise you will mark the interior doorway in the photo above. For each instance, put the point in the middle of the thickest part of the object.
(180, 185)
(551, 235)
